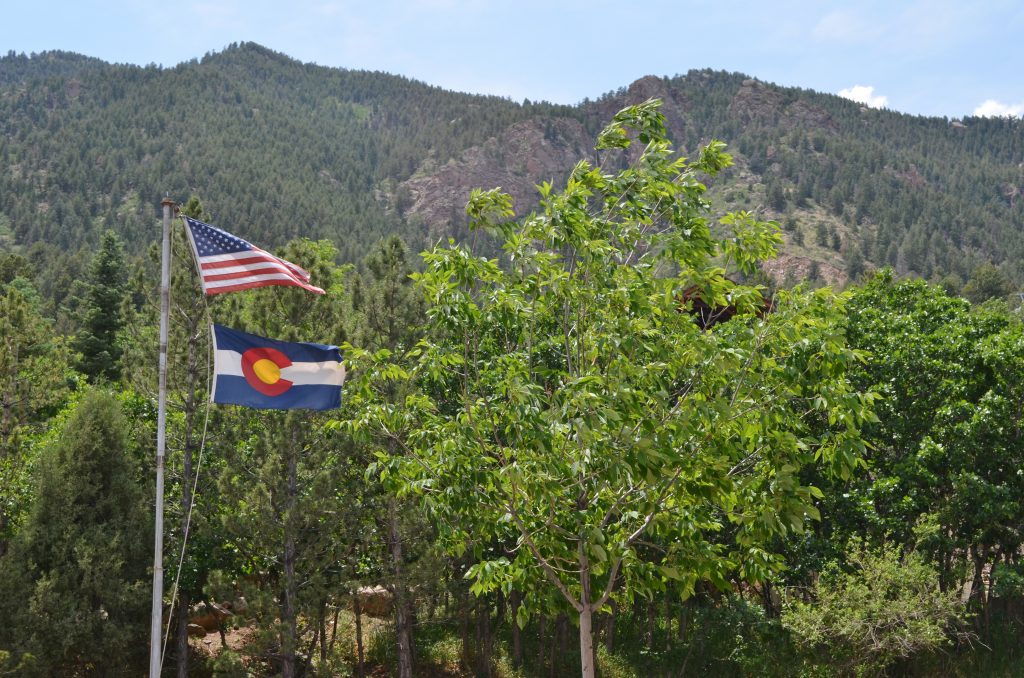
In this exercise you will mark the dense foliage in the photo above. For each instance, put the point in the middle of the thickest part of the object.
(74, 583)
(888, 607)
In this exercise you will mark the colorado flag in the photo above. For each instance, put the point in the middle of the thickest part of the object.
(274, 375)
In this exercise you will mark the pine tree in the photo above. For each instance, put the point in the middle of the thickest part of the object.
(283, 476)
(388, 314)
(73, 588)
(103, 313)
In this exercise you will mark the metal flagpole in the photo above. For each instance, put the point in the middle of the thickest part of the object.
(156, 622)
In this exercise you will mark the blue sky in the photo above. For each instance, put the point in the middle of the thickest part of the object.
(936, 57)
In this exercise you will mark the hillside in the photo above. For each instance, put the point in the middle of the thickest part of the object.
(276, 149)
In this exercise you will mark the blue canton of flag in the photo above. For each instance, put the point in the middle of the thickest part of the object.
(274, 375)
(229, 264)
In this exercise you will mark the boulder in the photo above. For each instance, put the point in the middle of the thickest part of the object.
(375, 601)
(237, 606)
(210, 616)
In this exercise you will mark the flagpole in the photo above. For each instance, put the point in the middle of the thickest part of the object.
(156, 621)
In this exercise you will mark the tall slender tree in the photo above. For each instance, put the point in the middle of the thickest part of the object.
(103, 312)
(286, 472)
(388, 315)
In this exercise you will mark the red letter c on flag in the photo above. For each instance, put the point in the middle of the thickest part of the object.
(262, 369)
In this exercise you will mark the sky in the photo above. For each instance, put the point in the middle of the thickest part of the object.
(926, 57)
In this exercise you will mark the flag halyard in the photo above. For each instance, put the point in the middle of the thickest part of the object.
(228, 263)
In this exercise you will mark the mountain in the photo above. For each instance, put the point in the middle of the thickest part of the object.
(851, 186)
(276, 149)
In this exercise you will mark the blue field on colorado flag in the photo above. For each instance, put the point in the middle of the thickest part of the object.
(267, 374)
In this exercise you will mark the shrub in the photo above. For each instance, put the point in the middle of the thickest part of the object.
(877, 609)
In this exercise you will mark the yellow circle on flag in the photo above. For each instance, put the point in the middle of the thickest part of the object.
(267, 371)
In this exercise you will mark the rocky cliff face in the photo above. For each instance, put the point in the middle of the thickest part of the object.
(757, 103)
(546, 149)
(524, 155)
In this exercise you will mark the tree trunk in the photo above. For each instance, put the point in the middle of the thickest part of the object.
(484, 612)
(587, 642)
(478, 635)
(223, 636)
(360, 661)
(542, 641)
(308, 656)
(609, 627)
(683, 619)
(558, 654)
(181, 635)
(586, 616)
(322, 630)
(288, 611)
(463, 602)
(978, 590)
(668, 622)
(334, 628)
(517, 637)
(945, 569)
(403, 622)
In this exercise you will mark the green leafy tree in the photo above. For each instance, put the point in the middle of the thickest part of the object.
(947, 441)
(980, 490)
(776, 196)
(74, 584)
(921, 360)
(14, 266)
(98, 341)
(987, 282)
(573, 407)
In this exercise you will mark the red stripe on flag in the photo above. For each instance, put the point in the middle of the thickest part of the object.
(257, 257)
(250, 258)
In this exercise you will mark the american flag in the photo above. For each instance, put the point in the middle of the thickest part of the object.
(229, 264)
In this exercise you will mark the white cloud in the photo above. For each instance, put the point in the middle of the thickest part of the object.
(865, 94)
(997, 109)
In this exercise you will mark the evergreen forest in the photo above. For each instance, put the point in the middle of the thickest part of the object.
(704, 376)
